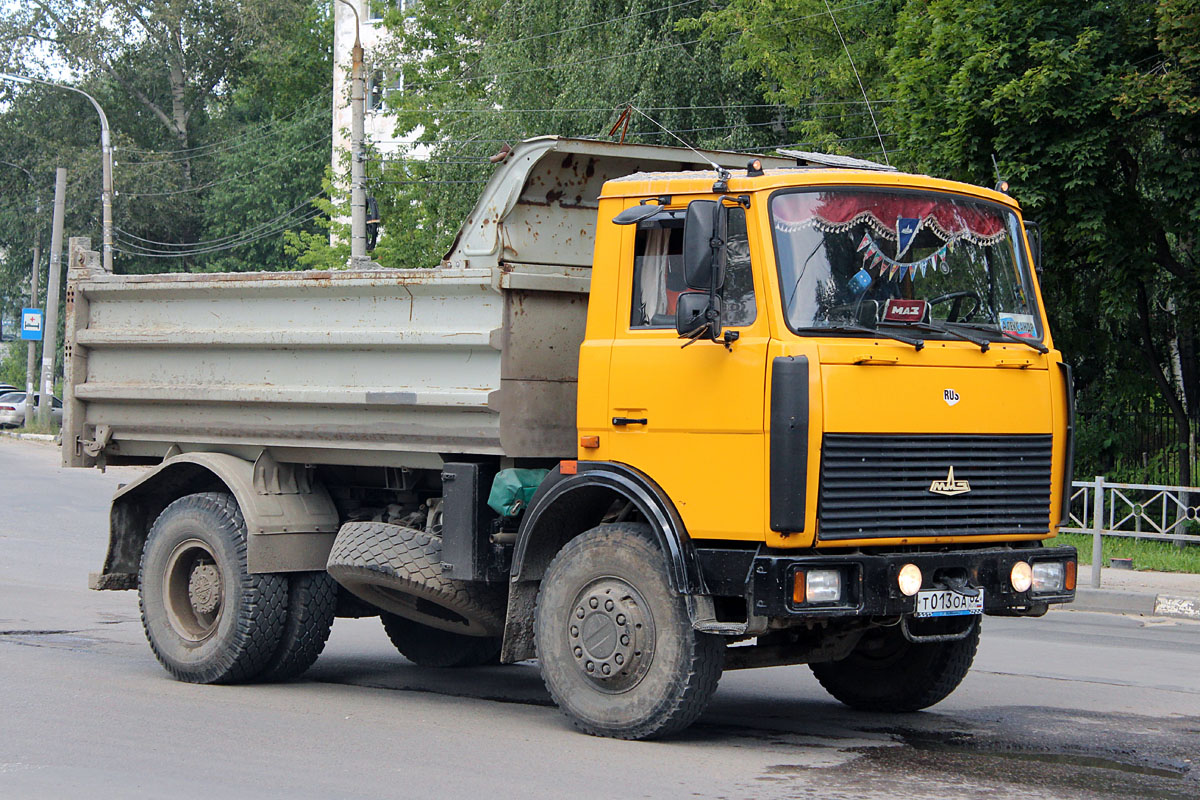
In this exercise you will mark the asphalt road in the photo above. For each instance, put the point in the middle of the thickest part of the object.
(1075, 705)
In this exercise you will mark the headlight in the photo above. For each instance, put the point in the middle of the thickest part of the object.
(1021, 576)
(1049, 576)
(817, 586)
(824, 586)
(909, 579)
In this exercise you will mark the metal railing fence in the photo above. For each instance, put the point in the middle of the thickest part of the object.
(1133, 510)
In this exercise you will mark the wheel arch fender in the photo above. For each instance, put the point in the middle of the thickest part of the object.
(566, 505)
(280, 503)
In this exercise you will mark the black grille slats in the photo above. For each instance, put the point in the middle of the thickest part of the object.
(876, 486)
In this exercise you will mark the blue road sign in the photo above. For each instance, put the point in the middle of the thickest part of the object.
(31, 324)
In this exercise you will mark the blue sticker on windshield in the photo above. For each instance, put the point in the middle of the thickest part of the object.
(859, 283)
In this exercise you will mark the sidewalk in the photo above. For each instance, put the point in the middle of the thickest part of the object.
(1164, 594)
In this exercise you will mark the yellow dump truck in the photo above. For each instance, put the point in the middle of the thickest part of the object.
(657, 414)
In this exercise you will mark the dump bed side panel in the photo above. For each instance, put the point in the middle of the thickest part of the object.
(384, 367)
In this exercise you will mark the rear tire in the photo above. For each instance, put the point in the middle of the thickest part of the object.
(615, 642)
(312, 604)
(430, 647)
(399, 570)
(208, 620)
(886, 672)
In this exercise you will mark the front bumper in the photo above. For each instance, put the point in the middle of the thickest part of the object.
(869, 581)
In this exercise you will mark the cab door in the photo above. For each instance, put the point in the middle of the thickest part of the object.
(691, 418)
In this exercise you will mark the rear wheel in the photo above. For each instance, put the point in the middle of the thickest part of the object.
(312, 605)
(614, 641)
(207, 618)
(431, 647)
(887, 672)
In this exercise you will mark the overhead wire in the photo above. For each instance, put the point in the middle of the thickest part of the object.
(231, 178)
(155, 253)
(588, 62)
(255, 133)
(221, 239)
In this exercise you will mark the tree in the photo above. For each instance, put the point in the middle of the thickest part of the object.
(478, 74)
(1090, 109)
(220, 117)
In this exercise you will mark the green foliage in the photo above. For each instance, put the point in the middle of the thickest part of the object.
(482, 73)
(1146, 553)
(220, 118)
(13, 362)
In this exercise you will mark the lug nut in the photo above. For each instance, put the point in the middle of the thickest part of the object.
(609, 605)
(625, 639)
(620, 619)
(605, 668)
(594, 603)
(579, 652)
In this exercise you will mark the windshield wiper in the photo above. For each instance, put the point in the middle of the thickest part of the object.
(981, 343)
(916, 344)
(1041, 348)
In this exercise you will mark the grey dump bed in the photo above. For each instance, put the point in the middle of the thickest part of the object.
(364, 366)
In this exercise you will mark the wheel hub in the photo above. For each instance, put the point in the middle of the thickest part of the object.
(204, 588)
(611, 634)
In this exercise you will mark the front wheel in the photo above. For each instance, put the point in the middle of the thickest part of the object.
(615, 644)
(887, 672)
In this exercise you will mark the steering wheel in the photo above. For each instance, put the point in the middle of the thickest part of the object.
(956, 303)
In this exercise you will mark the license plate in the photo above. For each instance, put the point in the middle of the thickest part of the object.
(945, 603)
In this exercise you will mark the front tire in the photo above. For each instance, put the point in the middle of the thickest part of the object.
(887, 672)
(208, 620)
(614, 641)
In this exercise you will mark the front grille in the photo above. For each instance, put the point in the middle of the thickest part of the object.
(875, 486)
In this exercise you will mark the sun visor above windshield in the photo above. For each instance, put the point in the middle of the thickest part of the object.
(892, 215)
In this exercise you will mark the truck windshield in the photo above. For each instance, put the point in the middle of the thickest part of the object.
(853, 257)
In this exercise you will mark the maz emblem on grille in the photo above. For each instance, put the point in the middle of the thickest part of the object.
(950, 486)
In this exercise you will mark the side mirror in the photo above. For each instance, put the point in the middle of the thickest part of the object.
(1033, 232)
(704, 234)
(692, 317)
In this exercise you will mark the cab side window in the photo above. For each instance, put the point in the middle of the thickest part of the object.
(658, 272)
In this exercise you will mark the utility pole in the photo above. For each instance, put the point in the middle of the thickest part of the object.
(358, 175)
(50, 329)
(31, 356)
(106, 174)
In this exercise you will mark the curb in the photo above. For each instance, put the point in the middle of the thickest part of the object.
(1143, 603)
(36, 437)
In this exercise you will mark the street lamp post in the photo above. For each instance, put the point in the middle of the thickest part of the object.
(358, 176)
(105, 161)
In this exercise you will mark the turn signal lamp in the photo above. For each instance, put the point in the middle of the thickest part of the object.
(1049, 576)
(909, 580)
(1021, 576)
(1070, 576)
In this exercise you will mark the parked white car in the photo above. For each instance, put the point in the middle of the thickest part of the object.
(12, 409)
